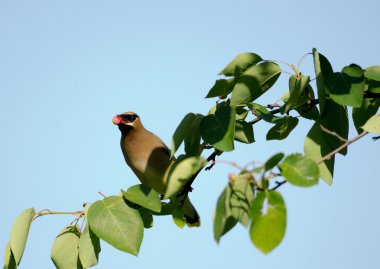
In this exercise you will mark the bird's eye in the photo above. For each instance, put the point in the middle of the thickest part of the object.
(130, 118)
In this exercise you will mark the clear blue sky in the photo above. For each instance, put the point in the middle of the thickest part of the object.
(67, 67)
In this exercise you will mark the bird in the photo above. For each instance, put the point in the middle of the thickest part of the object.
(149, 158)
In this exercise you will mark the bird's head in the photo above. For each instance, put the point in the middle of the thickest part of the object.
(127, 121)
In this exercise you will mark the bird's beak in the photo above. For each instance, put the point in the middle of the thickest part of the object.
(117, 120)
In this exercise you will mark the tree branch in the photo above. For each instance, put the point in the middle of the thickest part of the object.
(332, 153)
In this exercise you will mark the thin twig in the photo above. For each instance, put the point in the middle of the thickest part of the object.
(48, 212)
(323, 128)
(278, 185)
(332, 153)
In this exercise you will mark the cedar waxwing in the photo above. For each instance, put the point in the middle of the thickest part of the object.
(149, 158)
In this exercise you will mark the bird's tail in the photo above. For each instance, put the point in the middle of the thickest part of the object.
(191, 215)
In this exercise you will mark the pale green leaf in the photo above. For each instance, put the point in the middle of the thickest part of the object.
(299, 170)
(372, 73)
(65, 249)
(315, 148)
(241, 198)
(179, 217)
(182, 173)
(20, 232)
(9, 259)
(112, 220)
(268, 222)
(89, 248)
(373, 124)
(143, 196)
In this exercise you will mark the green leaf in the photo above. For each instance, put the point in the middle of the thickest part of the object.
(244, 132)
(20, 232)
(221, 88)
(266, 115)
(89, 248)
(241, 199)
(273, 161)
(181, 133)
(146, 217)
(268, 223)
(372, 73)
(323, 70)
(254, 82)
(347, 87)
(282, 130)
(315, 147)
(223, 219)
(182, 173)
(65, 250)
(361, 115)
(9, 259)
(298, 92)
(309, 110)
(241, 113)
(299, 170)
(373, 124)
(218, 129)
(112, 220)
(193, 139)
(240, 64)
(179, 217)
(335, 119)
(143, 196)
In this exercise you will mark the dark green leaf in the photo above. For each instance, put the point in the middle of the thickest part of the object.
(298, 92)
(373, 124)
(223, 220)
(315, 148)
(9, 259)
(146, 217)
(273, 161)
(299, 170)
(244, 132)
(89, 248)
(361, 115)
(241, 199)
(282, 130)
(372, 73)
(218, 129)
(268, 223)
(143, 196)
(20, 232)
(182, 173)
(323, 70)
(112, 220)
(193, 139)
(240, 64)
(335, 119)
(347, 88)
(309, 110)
(254, 82)
(241, 113)
(65, 250)
(181, 132)
(221, 88)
